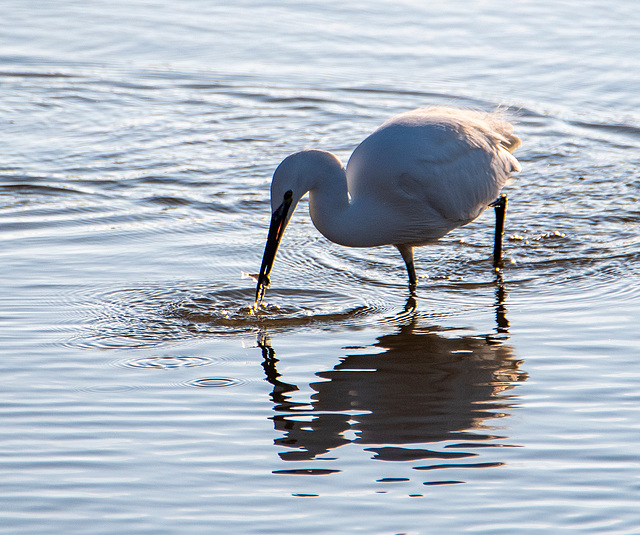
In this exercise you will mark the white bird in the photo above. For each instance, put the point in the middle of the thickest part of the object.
(418, 176)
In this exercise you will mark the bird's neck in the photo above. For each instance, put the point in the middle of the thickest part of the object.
(322, 175)
(329, 205)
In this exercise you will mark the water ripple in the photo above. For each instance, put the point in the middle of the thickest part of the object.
(168, 362)
(156, 315)
(215, 382)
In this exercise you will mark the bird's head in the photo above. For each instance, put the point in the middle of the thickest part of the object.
(285, 194)
(295, 176)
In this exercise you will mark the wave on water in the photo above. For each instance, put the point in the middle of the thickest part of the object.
(149, 316)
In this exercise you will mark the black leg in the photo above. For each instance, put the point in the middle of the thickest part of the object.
(411, 270)
(407, 255)
(500, 206)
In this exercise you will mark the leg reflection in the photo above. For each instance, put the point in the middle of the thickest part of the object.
(502, 323)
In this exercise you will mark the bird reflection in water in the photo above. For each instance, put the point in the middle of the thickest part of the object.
(420, 385)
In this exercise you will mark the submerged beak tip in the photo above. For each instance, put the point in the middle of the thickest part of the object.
(263, 284)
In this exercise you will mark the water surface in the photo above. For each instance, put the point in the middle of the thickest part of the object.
(139, 394)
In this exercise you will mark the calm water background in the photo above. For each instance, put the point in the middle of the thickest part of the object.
(137, 395)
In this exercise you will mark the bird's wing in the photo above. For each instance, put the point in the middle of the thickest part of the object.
(458, 188)
(418, 167)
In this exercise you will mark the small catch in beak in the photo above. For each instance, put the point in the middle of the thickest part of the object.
(276, 230)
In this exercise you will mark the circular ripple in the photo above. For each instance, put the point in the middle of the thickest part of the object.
(168, 362)
(215, 382)
(232, 311)
(150, 316)
(109, 389)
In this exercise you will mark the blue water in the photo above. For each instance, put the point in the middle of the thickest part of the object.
(138, 394)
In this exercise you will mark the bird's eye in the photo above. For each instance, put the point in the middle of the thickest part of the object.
(287, 195)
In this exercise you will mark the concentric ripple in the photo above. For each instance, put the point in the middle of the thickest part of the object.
(215, 382)
(168, 362)
(156, 315)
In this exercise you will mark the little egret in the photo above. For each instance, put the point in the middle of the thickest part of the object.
(418, 176)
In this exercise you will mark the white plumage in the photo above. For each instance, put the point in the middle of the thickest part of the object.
(418, 176)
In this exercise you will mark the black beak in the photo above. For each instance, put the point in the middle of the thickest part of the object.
(276, 231)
